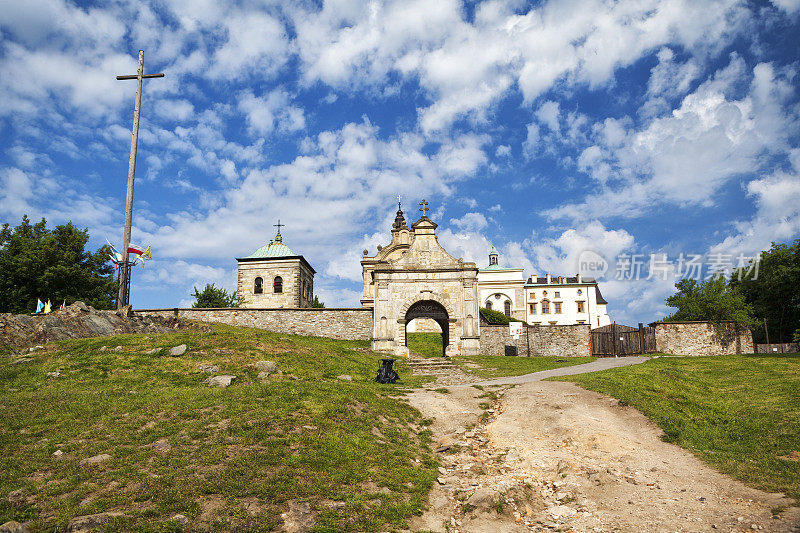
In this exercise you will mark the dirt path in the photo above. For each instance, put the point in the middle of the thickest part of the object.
(551, 456)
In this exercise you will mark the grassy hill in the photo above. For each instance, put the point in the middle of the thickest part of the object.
(348, 454)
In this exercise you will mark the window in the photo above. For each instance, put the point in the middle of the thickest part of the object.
(488, 304)
(258, 287)
(557, 305)
(277, 284)
(581, 322)
(532, 295)
(507, 307)
(545, 307)
(533, 309)
(580, 307)
(544, 293)
(558, 295)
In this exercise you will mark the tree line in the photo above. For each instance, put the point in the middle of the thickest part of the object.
(769, 302)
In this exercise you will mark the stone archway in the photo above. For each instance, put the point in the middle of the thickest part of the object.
(433, 310)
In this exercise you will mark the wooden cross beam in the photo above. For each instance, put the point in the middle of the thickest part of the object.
(122, 296)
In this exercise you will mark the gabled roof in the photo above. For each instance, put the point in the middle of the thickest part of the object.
(598, 296)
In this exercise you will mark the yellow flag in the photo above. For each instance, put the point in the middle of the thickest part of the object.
(146, 253)
(47, 307)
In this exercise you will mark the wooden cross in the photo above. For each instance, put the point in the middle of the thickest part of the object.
(122, 296)
(424, 207)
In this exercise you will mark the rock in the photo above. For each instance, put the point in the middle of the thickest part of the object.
(53, 374)
(57, 454)
(153, 351)
(266, 366)
(34, 348)
(103, 348)
(262, 376)
(80, 306)
(559, 512)
(177, 350)
(441, 481)
(16, 496)
(299, 518)
(162, 445)
(563, 466)
(219, 381)
(96, 460)
(209, 369)
(180, 519)
(118, 349)
(345, 377)
(21, 360)
(13, 527)
(483, 499)
(442, 470)
(84, 524)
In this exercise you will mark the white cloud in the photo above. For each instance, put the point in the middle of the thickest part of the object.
(265, 113)
(685, 157)
(470, 222)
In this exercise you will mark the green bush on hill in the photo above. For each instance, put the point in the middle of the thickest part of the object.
(496, 317)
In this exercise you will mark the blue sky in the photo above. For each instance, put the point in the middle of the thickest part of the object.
(547, 129)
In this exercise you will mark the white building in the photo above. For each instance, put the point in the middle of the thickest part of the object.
(546, 301)
(502, 289)
(565, 301)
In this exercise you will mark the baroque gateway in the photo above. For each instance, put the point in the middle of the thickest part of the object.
(414, 277)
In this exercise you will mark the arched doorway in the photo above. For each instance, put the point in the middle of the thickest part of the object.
(435, 311)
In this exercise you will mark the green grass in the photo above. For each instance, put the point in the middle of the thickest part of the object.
(250, 447)
(425, 344)
(739, 413)
(497, 366)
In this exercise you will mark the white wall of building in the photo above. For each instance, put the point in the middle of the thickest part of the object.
(573, 303)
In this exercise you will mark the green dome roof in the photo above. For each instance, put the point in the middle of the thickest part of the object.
(273, 249)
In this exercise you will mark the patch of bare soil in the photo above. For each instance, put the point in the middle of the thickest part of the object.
(554, 457)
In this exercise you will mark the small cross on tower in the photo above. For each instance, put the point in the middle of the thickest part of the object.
(279, 225)
(424, 207)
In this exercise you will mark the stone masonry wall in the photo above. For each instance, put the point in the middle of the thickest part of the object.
(348, 324)
(702, 338)
(538, 341)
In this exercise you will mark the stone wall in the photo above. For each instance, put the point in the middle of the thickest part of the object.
(351, 324)
(786, 347)
(538, 341)
(702, 338)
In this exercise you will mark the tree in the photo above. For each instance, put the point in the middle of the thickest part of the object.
(317, 303)
(39, 263)
(214, 297)
(712, 300)
(774, 293)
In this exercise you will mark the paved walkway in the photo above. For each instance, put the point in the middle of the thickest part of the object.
(603, 363)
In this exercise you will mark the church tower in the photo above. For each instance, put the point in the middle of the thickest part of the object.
(275, 277)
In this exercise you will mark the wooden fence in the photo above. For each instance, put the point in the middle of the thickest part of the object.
(616, 339)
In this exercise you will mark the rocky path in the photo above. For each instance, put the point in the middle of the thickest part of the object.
(547, 456)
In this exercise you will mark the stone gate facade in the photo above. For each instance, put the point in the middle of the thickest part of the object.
(414, 277)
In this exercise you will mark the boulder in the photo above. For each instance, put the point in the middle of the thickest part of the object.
(266, 366)
(96, 460)
(92, 522)
(16, 496)
(13, 527)
(153, 351)
(262, 376)
(483, 499)
(180, 519)
(53, 374)
(559, 512)
(209, 369)
(345, 377)
(299, 519)
(219, 381)
(177, 350)
(80, 306)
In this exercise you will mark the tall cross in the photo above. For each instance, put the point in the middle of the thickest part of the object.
(122, 296)
(279, 225)
(424, 207)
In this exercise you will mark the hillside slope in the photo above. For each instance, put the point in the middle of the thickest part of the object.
(137, 437)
